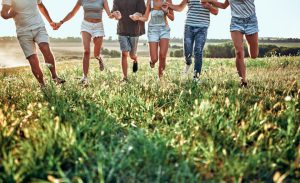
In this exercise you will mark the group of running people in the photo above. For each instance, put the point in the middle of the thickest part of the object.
(131, 16)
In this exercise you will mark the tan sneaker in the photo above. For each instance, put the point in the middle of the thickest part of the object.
(59, 81)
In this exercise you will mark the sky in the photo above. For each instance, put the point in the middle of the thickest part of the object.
(276, 19)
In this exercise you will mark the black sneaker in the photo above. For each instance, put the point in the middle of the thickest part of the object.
(135, 66)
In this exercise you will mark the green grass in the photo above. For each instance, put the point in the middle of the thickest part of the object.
(144, 132)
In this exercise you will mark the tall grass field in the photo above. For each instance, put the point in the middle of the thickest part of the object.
(146, 131)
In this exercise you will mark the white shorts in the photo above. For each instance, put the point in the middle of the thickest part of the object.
(94, 29)
(28, 39)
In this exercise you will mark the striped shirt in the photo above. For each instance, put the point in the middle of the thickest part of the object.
(242, 8)
(197, 16)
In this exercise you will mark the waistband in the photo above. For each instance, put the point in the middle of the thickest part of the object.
(250, 17)
(91, 23)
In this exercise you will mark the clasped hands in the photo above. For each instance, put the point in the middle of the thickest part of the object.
(206, 4)
(56, 25)
(138, 16)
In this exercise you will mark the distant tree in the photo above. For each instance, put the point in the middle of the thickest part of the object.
(171, 54)
(178, 53)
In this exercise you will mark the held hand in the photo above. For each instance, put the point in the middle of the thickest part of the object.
(136, 16)
(167, 4)
(117, 15)
(206, 5)
(165, 7)
(111, 15)
(12, 13)
(55, 26)
(58, 25)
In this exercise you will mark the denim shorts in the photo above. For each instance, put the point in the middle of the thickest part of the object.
(246, 26)
(156, 33)
(94, 29)
(128, 44)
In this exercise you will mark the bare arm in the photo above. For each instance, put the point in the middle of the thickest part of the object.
(170, 12)
(145, 17)
(115, 13)
(218, 4)
(178, 7)
(106, 8)
(7, 12)
(45, 12)
(72, 13)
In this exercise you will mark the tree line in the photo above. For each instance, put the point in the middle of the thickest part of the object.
(226, 50)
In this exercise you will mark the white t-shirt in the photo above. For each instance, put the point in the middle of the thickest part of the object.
(28, 16)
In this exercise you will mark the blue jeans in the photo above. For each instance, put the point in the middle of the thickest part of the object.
(194, 40)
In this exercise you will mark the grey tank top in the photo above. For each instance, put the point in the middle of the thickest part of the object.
(92, 8)
(157, 16)
(242, 8)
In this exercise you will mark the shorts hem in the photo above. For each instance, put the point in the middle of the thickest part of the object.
(29, 55)
(248, 34)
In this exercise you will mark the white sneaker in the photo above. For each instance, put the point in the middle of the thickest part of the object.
(186, 69)
(197, 81)
(84, 81)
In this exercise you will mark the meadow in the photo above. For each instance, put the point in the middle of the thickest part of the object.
(143, 131)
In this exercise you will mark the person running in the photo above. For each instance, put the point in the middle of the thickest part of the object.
(195, 33)
(31, 30)
(128, 30)
(91, 29)
(243, 22)
(158, 31)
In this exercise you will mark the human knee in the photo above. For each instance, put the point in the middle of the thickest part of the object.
(239, 53)
(87, 52)
(162, 57)
(44, 46)
(124, 54)
(154, 59)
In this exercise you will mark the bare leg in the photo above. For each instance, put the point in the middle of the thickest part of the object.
(133, 57)
(36, 69)
(237, 38)
(86, 40)
(124, 64)
(97, 46)
(49, 58)
(252, 41)
(153, 46)
(164, 46)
